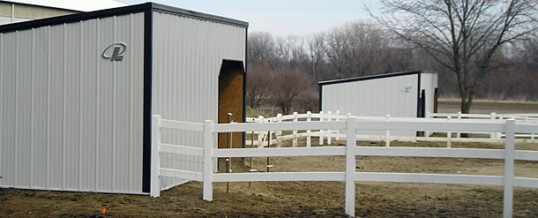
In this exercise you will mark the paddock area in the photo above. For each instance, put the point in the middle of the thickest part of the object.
(325, 199)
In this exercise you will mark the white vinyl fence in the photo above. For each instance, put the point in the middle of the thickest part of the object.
(265, 138)
(349, 128)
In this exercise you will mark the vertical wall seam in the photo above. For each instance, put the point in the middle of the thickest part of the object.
(130, 126)
(17, 53)
(49, 99)
(114, 108)
(33, 109)
(64, 103)
(97, 107)
(81, 89)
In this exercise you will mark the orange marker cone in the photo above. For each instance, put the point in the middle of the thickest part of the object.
(104, 210)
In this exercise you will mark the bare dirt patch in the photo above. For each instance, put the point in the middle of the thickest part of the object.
(300, 199)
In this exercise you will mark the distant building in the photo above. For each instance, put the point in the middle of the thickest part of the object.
(22, 10)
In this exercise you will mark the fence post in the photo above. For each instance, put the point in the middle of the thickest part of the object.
(279, 132)
(155, 189)
(458, 134)
(308, 132)
(387, 134)
(509, 154)
(329, 132)
(351, 144)
(493, 134)
(321, 132)
(448, 136)
(260, 133)
(337, 119)
(428, 116)
(208, 161)
(295, 116)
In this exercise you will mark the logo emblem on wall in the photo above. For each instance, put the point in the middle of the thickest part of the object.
(114, 52)
(406, 89)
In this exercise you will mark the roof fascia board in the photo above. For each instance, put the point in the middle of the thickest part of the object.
(379, 76)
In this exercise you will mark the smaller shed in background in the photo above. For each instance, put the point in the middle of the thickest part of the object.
(402, 94)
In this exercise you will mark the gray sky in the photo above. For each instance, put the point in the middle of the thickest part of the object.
(280, 17)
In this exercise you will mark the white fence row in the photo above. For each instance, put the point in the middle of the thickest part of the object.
(263, 139)
(349, 127)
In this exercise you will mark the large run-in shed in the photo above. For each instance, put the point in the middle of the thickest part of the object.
(78, 93)
(402, 94)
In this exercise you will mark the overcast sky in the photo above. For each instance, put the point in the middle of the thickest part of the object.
(280, 17)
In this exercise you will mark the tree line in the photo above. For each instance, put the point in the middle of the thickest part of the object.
(283, 71)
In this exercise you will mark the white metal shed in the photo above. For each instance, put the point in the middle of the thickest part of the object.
(402, 94)
(78, 93)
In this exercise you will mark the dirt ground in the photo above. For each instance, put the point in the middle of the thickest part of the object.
(304, 199)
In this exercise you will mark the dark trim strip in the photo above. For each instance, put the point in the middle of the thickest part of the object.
(115, 12)
(148, 67)
(379, 76)
(419, 91)
(245, 84)
(72, 18)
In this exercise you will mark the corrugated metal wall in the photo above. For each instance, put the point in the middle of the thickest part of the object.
(69, 119)
(187, 56)
(396, 96)
(428, 82)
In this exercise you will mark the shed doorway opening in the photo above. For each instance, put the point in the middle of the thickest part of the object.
(231, 100)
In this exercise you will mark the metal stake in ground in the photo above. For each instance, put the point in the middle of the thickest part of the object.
(229, 159)
(268, 146)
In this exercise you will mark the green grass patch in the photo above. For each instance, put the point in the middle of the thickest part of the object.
(254, 113)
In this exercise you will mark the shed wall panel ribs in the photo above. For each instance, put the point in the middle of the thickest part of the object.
(396, 96)
(188, 54)
(70, 119)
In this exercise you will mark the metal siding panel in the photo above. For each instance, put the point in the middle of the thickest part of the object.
(71, 120)
(24, 105)
(56, 109)
(8, 75)
(188, 54)
(375, 97)
(429, 83)
(72, 125)
(87, 152)
(39, 110)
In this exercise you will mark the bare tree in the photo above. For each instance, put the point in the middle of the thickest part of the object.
(316, 52)
(461, 35)
(290, 85)
(261, 48)
(357, 49)
(259, 84)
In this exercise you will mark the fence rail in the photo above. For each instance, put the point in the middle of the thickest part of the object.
(349, 127)
(262, 138)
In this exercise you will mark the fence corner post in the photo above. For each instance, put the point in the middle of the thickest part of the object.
(351, 144)
(509, 154)
(208, 161)
(155, 188)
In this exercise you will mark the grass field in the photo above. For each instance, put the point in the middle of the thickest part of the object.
(307, 199)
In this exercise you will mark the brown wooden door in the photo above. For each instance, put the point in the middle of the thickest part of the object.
(231, 99)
